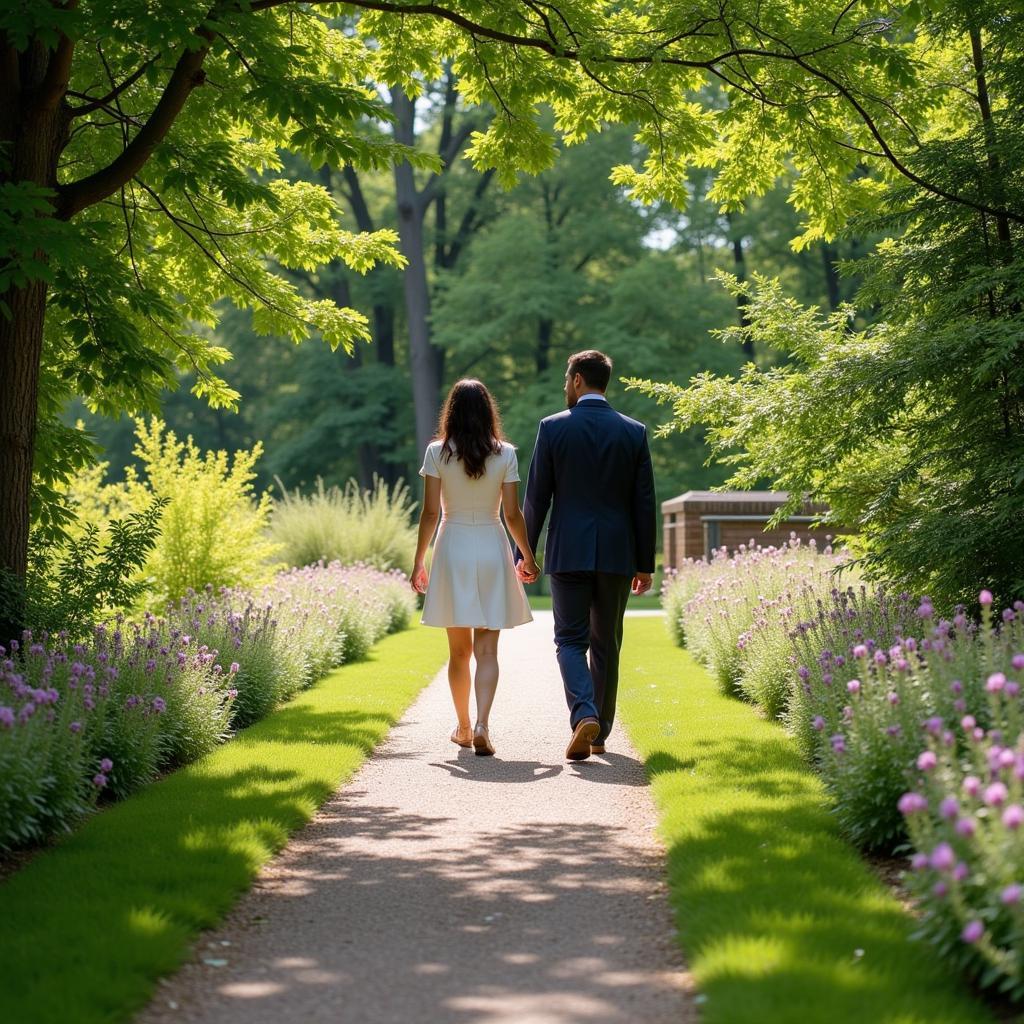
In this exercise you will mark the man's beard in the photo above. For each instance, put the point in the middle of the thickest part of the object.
(570, 401)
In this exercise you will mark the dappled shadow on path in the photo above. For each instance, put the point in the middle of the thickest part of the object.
(373, 918)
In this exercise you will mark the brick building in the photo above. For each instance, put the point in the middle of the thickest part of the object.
(698, 522)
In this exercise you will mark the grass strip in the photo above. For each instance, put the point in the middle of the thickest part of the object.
(781, 920)
(88, 926)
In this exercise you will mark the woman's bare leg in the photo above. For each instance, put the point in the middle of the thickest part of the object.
(460, 649)
(485, 647)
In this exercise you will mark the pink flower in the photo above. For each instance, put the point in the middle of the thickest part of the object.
(943, 858)
(985, 598)
(853, 686)
(927, 761)
(860, 651)
(995, 795)
(972, 785)
(965, 827)
(912, 803)
(960, 872)
(1013, 816)
(1017, 661)
(973, 930)
(940, 889)
(1011, 895)
(968, 722)
(818, 723)
(949, 808)
(919, 861)
(995, 682)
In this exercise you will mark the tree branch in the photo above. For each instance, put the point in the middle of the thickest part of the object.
(105, 101)
(187, 75)
(58, 71)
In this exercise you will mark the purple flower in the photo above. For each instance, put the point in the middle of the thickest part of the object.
(1010, 895)
(1017, 661)
(106, 764)
(853, 686)
(159, 705)
(940, 889)
(860, 651)
(1012, 689)
(1013, 816)
(995, 795)
(6, 717)
(912, 803)
(75, 726)
(99, 780)
(234, 667)
(933, 725)
(973, 930)
(972, 785)
(893, 698)
(985, 598)
(942, 858)
(965, 827)
(960, 872)
(803, 672)
(949, 808)
(919, 861)
(995, 682)
(927, 761)
(880, 657)
(818, 723)
(838, 744)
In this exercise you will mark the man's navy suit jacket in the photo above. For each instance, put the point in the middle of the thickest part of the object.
(592, 467)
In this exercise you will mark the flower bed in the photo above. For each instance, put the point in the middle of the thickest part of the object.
(81, 721)
(914, 721)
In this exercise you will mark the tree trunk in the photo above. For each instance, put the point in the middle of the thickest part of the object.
(740, 266)
(425, 359)
(33, 130)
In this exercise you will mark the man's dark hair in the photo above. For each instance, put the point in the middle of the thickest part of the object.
(593, 366)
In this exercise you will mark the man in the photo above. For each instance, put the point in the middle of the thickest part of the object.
(592, 467)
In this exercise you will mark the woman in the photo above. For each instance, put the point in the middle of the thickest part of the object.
(471, 475)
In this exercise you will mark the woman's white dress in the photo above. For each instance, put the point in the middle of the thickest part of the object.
(473, 580)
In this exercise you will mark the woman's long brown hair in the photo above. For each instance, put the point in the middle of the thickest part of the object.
(470, 426)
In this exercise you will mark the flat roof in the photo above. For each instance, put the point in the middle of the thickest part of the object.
(732, 496)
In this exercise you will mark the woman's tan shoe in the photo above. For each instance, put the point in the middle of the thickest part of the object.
(463, 737)
(482, 742)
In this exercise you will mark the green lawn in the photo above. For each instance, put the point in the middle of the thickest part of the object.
(88, 926)
(780, 919)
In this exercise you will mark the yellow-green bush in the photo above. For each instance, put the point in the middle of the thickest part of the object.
(214, 528)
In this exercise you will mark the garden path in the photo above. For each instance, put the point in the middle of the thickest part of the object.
(442, 887)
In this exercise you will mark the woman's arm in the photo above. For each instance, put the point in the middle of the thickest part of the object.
(430, 512)
(517, 527)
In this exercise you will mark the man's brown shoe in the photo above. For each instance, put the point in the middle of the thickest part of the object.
(583, 735)
(597, 748)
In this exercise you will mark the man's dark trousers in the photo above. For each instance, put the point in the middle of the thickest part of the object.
(588, 609)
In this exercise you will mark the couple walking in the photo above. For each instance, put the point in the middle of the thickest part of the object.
(592, 468)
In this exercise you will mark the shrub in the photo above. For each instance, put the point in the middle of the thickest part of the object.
(214, 527)
(78, 719)
(965, 816)
(349, 525)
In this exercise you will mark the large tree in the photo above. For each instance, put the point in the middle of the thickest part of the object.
(135, 134)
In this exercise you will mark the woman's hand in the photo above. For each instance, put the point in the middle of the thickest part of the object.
(527, 569)
(420, 578)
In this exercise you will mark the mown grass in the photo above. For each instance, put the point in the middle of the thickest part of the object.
(780, 919)
(87, 927)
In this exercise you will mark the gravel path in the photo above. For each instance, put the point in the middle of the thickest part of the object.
(442, 887)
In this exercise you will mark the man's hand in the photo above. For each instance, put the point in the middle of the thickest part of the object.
(527, 572)
(642, 583)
